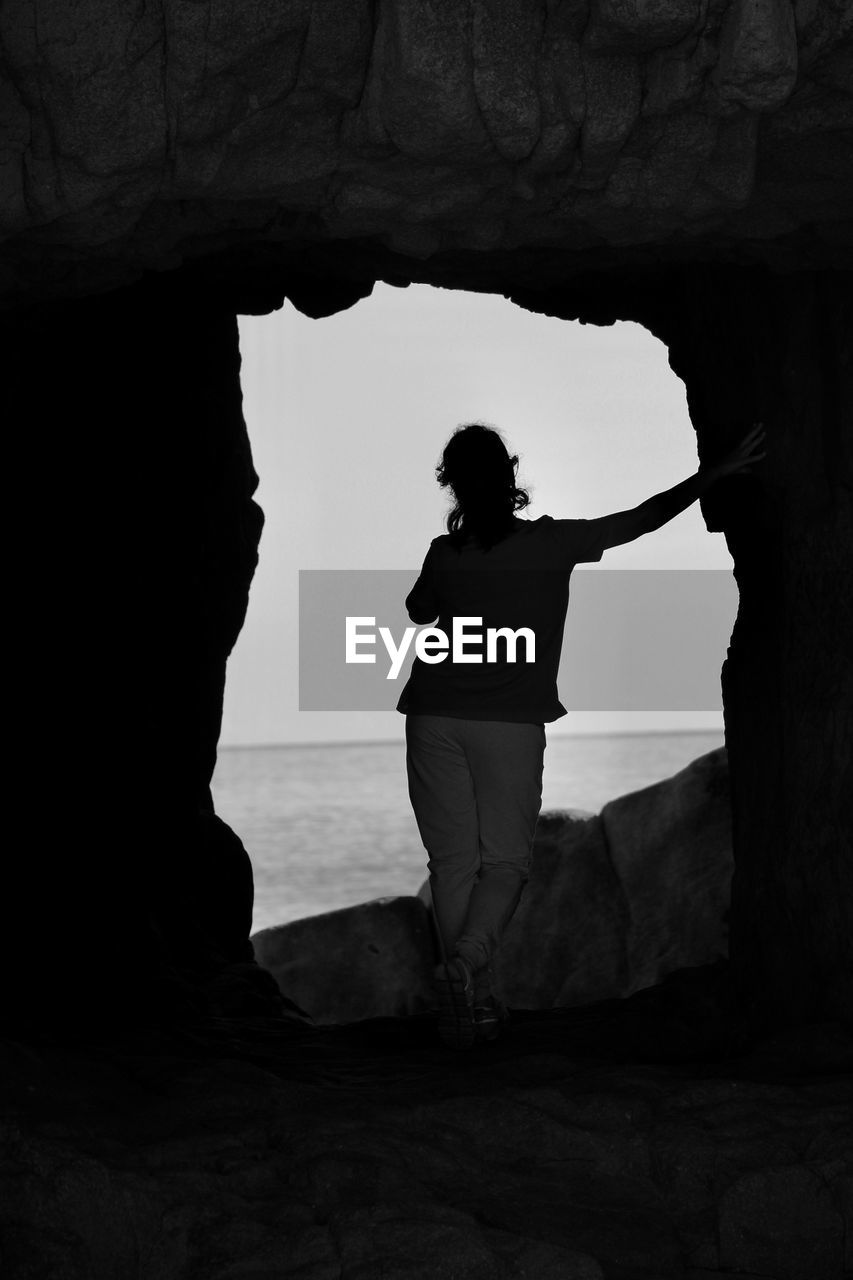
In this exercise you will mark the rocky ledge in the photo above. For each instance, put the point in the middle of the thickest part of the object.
(649, 1137)
(657, 1133)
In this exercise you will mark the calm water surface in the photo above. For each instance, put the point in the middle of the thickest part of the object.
(327, 826)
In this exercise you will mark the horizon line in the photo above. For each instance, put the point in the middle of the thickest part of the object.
(378, 742)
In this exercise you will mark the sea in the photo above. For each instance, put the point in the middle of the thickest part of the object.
(329, 825)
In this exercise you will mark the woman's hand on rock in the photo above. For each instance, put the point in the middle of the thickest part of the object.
(742, 457)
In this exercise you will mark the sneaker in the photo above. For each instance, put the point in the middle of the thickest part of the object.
(454, 983)
(489, 1018)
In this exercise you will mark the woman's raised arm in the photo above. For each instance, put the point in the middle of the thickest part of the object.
(421, 602)
(625, 526)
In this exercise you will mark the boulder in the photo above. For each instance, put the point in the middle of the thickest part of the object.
(617, 901)
(566, 942)
(373, 960)
(670, 848)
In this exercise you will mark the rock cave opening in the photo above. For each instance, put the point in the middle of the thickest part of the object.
(682, 166)
(143, 523)
(346, 416)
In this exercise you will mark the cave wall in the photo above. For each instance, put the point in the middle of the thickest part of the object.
(752, 344)
(780, 349)
(135, 537)
(143, 138)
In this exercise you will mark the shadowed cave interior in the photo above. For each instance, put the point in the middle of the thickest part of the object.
(682, 165)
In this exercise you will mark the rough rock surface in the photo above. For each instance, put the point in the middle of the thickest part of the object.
(647, 1139)
(373, 960)
(617, 901)
(137, 139)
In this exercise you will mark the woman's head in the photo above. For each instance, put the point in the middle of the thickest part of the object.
(478, 469)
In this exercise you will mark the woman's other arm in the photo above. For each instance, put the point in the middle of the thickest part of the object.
(625, 526)
(421, 602)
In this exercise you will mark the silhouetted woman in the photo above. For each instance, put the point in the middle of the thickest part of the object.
(476, 715)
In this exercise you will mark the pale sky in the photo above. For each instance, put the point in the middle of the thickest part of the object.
(347, 418)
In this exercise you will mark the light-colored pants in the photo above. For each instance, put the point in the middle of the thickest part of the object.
(476, 791)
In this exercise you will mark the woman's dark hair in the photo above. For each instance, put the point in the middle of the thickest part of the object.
(476, 466)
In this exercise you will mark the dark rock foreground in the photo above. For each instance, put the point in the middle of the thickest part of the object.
(650, 1137)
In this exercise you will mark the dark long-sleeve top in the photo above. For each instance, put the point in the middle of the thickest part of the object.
(523, 581)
